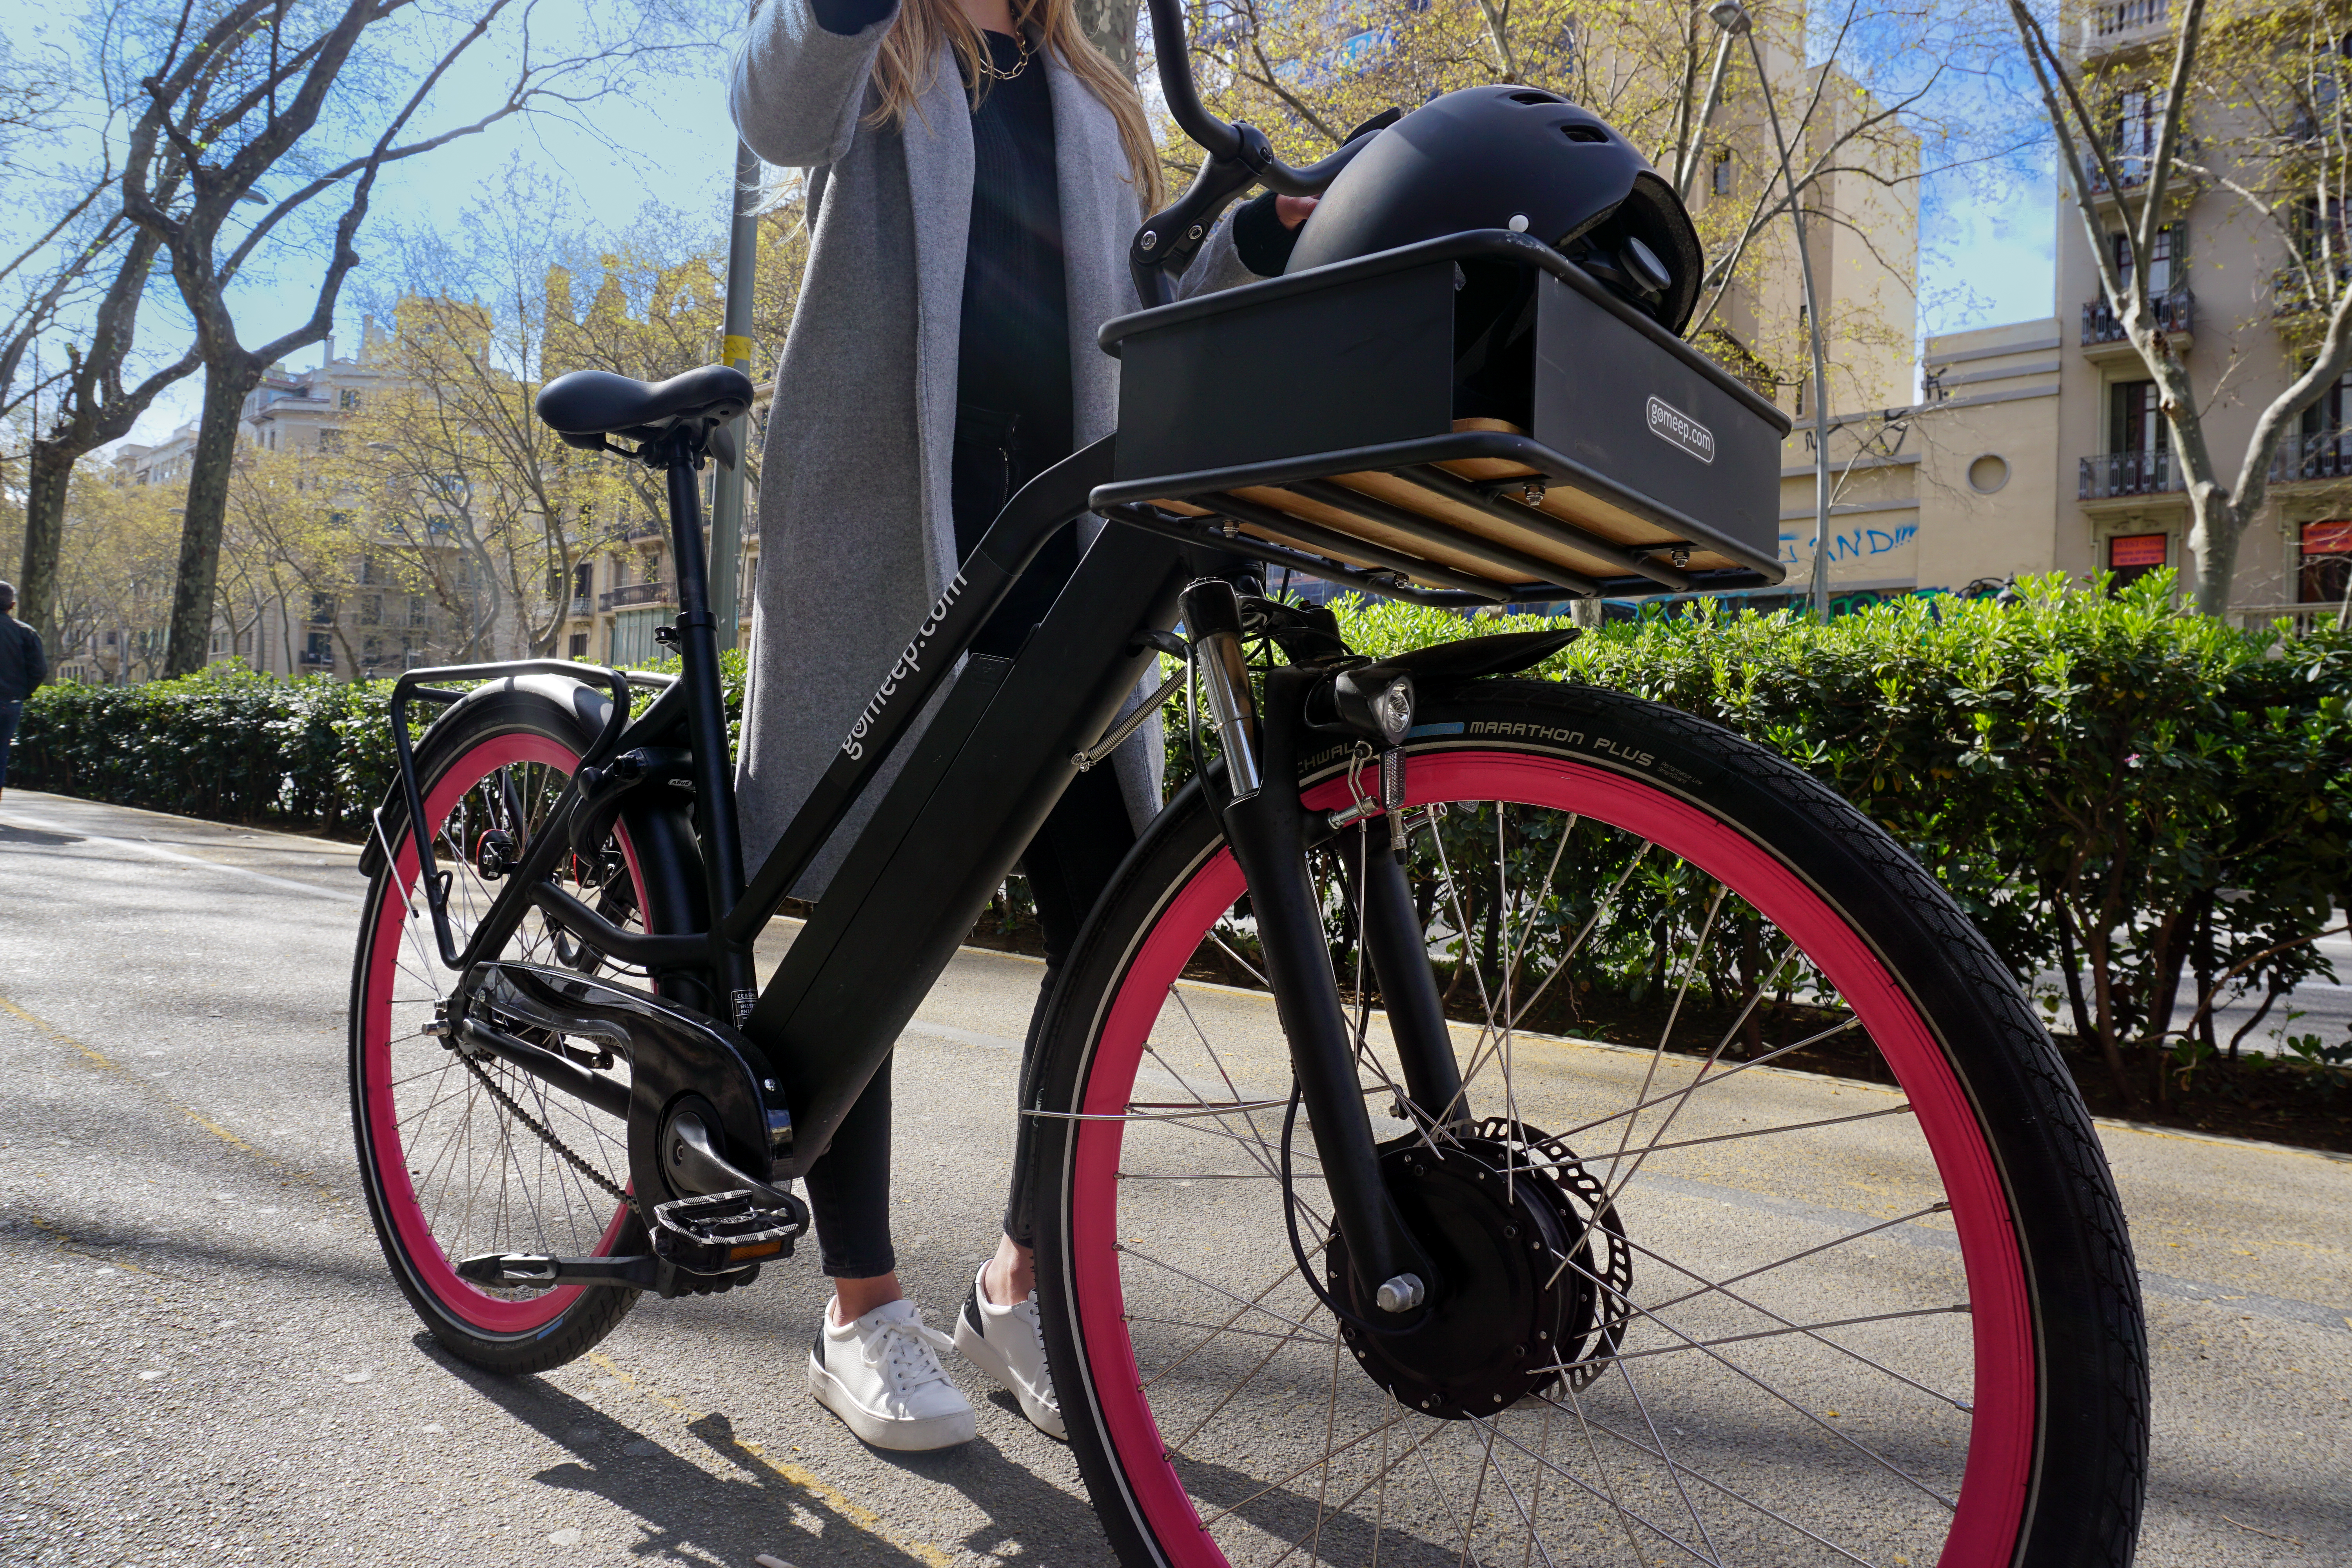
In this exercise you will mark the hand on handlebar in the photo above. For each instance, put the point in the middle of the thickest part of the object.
(1292, 210)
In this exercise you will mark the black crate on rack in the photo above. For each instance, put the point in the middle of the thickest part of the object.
(1323, 415)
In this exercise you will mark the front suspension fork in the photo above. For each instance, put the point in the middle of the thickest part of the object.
(1267, 826)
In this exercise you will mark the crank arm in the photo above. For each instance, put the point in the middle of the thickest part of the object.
(1266, 825)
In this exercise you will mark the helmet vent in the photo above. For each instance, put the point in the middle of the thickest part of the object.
(1533, 96)
(1584, 133)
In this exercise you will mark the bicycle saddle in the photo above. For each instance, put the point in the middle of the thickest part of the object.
(588, 404)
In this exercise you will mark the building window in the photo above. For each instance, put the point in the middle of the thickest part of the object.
(2329, 413)
(371, 610)
(348, 399)
(2135, 420)
(2140, 121)
(2326, 569)
(2169, 253)
(372, 652)
(579, 645)
(415, 611)
(1723, 171)
(319, 649)
(322, 607)
(331, 440)
(2132, 556)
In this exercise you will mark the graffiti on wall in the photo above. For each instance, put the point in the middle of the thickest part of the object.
(1853, 545)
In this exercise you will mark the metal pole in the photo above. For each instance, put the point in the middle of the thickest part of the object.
(1732, 17)
(726, 492)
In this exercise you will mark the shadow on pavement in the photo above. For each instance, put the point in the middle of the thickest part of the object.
(33, 838)
(684, 1512)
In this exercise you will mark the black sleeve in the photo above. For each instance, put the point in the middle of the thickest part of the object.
(848, 17)
(1259, 238)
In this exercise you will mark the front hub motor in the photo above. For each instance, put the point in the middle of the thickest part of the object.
(1533, 1266)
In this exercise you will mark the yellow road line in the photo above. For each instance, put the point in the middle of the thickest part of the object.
(107, 1064)
(807, 1480)
(850, 1512)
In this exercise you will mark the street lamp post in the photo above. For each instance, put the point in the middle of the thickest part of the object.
(728, 486)
(1733, 18)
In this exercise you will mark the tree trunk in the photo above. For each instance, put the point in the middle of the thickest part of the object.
(2213, 542)
(1110, 25)
(48, 473)
(225, 384)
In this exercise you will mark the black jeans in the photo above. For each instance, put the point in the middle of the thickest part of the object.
(1067, 865)
(12, 712)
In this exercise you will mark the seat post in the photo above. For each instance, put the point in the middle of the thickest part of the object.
(714, 780)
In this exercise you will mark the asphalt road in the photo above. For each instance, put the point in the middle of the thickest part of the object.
(203, 1360)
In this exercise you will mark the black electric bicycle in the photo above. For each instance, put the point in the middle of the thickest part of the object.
(1417, 1181)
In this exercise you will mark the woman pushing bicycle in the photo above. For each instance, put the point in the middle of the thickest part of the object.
(976, 173)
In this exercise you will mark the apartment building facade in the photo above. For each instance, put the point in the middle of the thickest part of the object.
(2037, 446)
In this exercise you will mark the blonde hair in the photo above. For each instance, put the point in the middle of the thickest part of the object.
(910, 63)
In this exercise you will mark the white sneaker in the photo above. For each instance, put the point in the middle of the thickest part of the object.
(881, 1374)
(1006, 1343)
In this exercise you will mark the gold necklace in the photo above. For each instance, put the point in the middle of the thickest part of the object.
(988, 66)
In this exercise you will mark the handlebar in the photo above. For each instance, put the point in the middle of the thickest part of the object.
(1222, 142)
(1216, 138)
(1239, 156)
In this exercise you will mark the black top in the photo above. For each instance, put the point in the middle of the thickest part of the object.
(24, 663)
(1013, 356)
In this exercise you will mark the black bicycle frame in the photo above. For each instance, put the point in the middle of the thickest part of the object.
(998, 746)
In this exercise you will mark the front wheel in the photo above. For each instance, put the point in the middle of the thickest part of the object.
(1695, 1305)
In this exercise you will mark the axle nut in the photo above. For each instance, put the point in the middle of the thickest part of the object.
(1401, 1294)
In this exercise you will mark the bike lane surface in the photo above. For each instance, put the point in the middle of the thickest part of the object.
(208, 1360)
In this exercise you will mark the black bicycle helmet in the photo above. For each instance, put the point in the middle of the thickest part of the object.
(1517, 158)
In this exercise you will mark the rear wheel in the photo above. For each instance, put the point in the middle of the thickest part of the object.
(463, 1155)
(1695, 1305)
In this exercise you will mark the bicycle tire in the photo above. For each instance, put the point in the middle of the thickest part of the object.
(2052, 1435)
(413, 1100)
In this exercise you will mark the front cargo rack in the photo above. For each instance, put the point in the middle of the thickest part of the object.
(1371, 423)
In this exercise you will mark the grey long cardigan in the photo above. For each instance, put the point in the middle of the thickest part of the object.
(856, 538)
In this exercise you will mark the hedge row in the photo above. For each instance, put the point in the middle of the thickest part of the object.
(2120, 793)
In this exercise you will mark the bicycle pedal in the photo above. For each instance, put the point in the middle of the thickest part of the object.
(530, 1271)
(720, 1232)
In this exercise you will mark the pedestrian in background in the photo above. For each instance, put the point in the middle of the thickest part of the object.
(23, 665)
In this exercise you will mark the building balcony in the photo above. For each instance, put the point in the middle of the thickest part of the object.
(2103, 330)
(2130, 174)
(2123, 475)
(2117, 24)
(583, 604)
(2321, 456)
(2292, 300)
(635, 594)
(310, 660)
(647, 528)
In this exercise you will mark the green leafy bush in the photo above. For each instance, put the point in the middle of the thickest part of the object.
(2121, 794)
(224, 744)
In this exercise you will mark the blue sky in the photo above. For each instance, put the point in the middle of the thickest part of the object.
(1987, 256)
